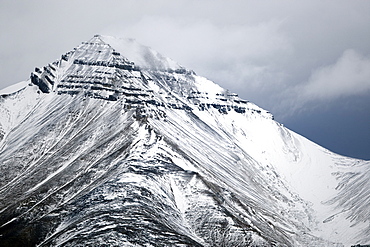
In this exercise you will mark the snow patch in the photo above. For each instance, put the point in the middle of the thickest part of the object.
(14, 88)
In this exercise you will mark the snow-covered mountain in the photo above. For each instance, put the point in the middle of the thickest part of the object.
(116, 145)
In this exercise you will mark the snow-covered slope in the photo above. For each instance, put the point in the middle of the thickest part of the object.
(116, 145)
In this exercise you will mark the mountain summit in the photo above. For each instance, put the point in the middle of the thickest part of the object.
(114, 144)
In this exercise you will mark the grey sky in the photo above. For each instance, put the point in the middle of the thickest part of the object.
(302, 60)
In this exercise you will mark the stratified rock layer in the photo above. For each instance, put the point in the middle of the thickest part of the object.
(99, 151)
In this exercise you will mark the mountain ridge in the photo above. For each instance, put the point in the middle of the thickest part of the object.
(191, 163)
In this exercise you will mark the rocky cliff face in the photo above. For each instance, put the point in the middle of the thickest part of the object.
(101, 151)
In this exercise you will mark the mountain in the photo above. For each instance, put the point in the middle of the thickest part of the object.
(114, 144)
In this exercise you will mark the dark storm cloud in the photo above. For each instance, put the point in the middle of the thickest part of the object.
(291, 57)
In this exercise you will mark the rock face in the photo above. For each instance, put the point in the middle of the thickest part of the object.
(101, 151)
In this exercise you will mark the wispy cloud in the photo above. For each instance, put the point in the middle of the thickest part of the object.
(242, 57)
(348, 76)
(205, 44)
(264, 51)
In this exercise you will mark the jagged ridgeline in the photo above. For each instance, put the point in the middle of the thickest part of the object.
(96, 70)
(116, 145)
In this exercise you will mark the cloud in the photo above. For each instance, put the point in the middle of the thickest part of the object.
(234, 55)
(286, 56)
(348, 76)
(263, 51)
(266, 55)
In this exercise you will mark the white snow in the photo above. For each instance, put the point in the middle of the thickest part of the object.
(141, 55)
(179, 197)
(205, 85)
(14, 88)
(281, 179)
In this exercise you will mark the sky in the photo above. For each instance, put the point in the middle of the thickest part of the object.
(307, 62)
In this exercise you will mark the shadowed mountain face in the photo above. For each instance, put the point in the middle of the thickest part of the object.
(99, 150)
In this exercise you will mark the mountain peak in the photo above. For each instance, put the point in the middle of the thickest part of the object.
(96, 69)
(88, 61)
(134, 150)
(143, 56)
(97, 38)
